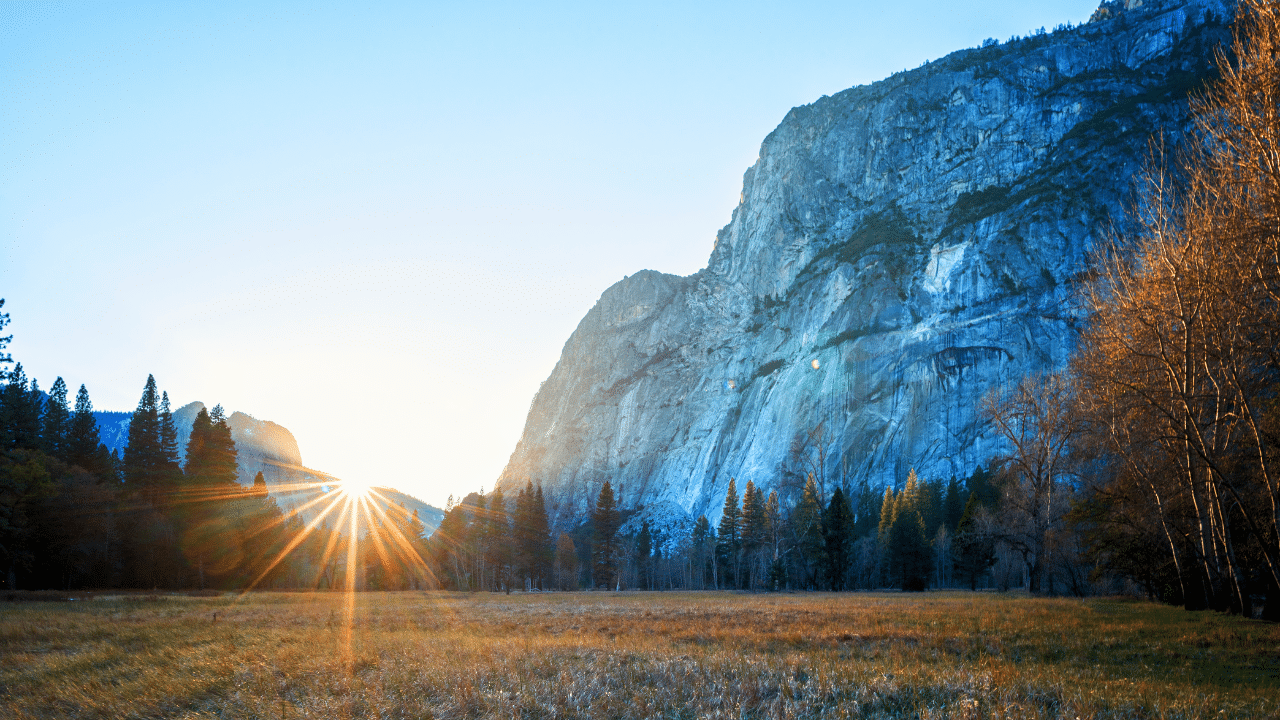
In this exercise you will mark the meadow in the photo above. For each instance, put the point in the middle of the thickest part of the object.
(630, 655)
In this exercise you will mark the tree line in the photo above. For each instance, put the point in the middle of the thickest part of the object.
(925, 535)
(74, 514)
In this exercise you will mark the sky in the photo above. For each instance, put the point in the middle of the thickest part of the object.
(377, 224)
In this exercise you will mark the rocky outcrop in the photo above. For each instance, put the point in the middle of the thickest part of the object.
(899, 250)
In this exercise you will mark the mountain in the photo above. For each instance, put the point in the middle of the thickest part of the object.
(264, 446)
(900, 249)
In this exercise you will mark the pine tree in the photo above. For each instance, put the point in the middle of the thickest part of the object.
(201, 428)
(413, 531)
(838, 536)
(209, 507)
(776, 532)
(542, 537)
(886, 516)
(930, 506)
(30, 416)
(866, 511)
(643, 555)
(974, 549)
(807, 526)
(477, 544)
(773, 522)
(111, 467)
(910, 553)
(703, 541)
(260, 487)
(9, 404)
(5, 358)
(754, 534)
(57, 422)
(953, 505)
(729, 534)
(260, 525)
(498, 541)
(755, 529)
(222, 454)
(82, 443)
(169, 443)
(20, 406)
(524, 550)
(143, 457)
(212, 466)
(605, 549)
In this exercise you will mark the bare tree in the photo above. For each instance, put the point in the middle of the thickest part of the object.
(809, 450)
(1038, 420)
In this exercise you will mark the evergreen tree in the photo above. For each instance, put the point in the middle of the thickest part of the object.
(5, 358)
(983, 484)
(498, 542)
(144, 462)
(887, 509)
(526, 545)
(729, 535)
(9, 404)
(754, 535)
(168, 442)
(837, 525)
(975, 550)
(477, 544)
(866, 511)
(773, 522)
(953, 505)
(703, 541)
(910, 553)
(110, 466)
(260, 526)
(201, 428)
(260, 487)
(755, 530)
(605, 521)
(776, 532)
(929, 505)
(57, 422)
(30, 416)
(542, 535)
(82, 444)
(414, 531)
(807, 526)
(20, 405)
(643, 555)
(208, 506)
(212, 459)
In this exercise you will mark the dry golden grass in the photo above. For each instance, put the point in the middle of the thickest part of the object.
(685, 655)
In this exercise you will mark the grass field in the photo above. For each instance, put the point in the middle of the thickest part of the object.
(685, 655)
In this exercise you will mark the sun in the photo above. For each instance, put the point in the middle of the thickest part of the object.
(356, 488)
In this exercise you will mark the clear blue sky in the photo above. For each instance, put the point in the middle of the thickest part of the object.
(378, 225)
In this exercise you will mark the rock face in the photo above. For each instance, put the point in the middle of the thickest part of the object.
(899, 250)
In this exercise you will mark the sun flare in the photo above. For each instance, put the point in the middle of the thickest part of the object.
(356, 488)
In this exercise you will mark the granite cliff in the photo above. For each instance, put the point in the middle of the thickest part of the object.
(899, 250)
